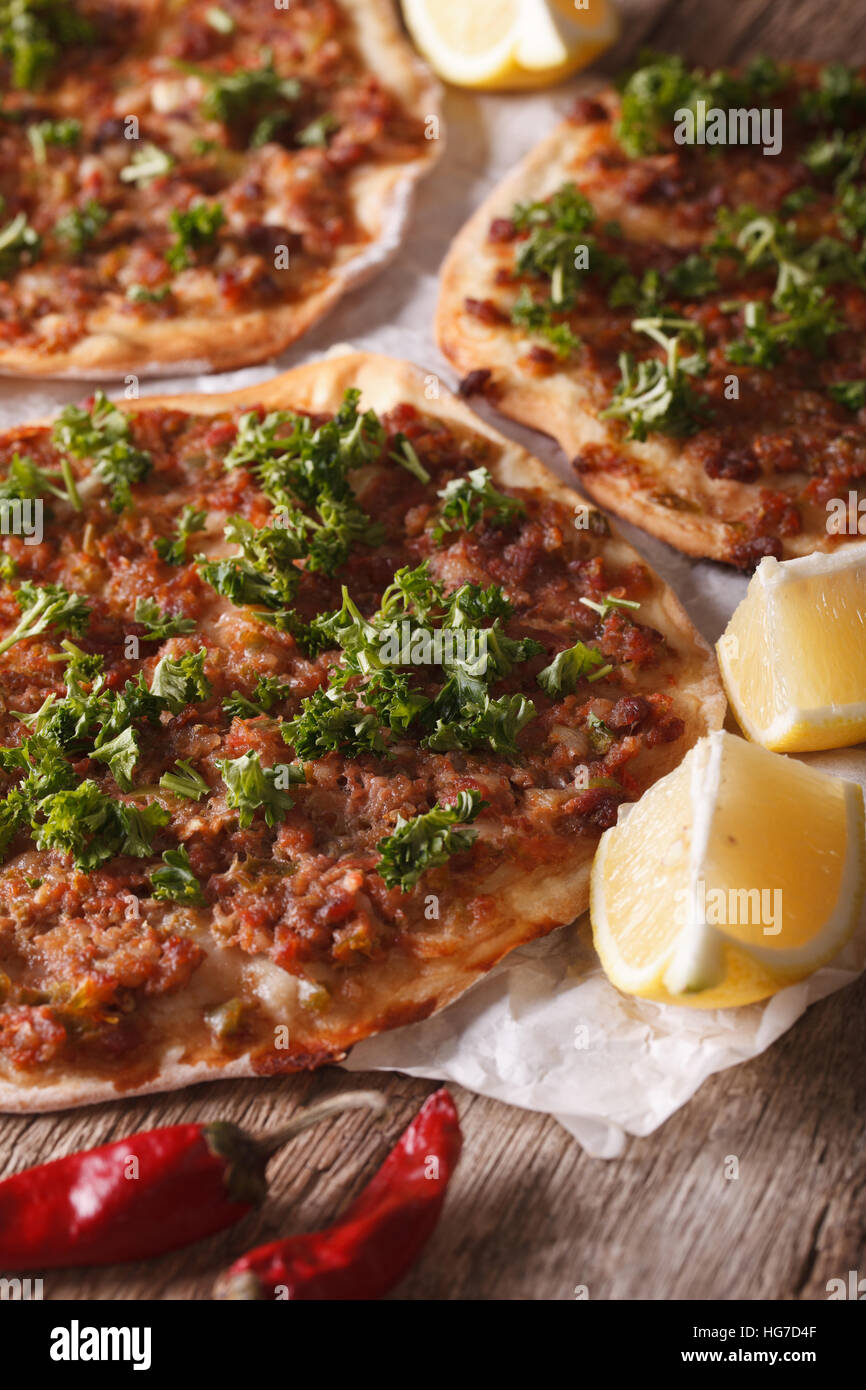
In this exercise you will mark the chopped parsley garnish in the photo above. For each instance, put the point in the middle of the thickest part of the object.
(428, 840)
(267, 692)
(295, 461)
(19, 243)
(851, 394)
(663, 84)
(175, 880)
(103, 436)
(92, 827)
(840, 96)
(805, 315)
(150, 162)
(655, 395)
(33, 33)
(251, 787)
(808, 319)
(121, 755)
(184, 781)
(694, 277)
(851, 213)
(405, 455)
(192, 231)
(480, 723)
(141, 294)
(840, 154)
(332, 721)
(173, 551)
(265, 572)
(98, 722)
(81, 226)
(160, 625)
(554, 227)
(609, 603)
(297, 464)
(25, 479)
(797, 200)
(255, 104)
(319, 131)
(537, 318)
(350, 716)
(181, 681)
(568, 667)
(41, 134)
(468, 500)
(43, 606)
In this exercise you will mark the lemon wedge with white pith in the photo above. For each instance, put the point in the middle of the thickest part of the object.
(506, 44)
(793, 657)
(737, 874)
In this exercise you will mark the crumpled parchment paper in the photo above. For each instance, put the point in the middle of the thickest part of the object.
(544, 1030)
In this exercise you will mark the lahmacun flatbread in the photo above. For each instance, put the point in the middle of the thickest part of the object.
(221, 848)
(685, 319)
(187, 185)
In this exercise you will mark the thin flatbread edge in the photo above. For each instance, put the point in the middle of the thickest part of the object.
(383, 196)
(530, 905)
(556, 405)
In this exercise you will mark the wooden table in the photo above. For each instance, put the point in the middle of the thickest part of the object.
(530, 1216)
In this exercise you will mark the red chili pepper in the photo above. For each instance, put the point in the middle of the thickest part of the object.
(382, 1233)
(144, 1195)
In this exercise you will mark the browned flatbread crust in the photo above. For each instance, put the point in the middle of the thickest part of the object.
(650, 484)
(400, 991)
(381, 196)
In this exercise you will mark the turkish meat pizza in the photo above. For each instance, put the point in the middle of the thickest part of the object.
(687, 319)
(186, 184)
(316, 698)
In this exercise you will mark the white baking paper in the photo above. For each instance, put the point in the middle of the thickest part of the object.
(544, 1030)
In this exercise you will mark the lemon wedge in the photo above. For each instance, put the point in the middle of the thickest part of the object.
(509, 43)
(793, 656)
(737, 874)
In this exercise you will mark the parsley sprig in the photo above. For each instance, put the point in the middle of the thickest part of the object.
(25, 479)
(468, 500)
(41, 134)
(428, 840)
(193, 230)
(663, 84)
(175, 880)
(805, 315)
(297, 465)
(367, 696)
(656, 394)
(255, 104)
(34, 33)
(569, 667)
(19, 245)
(44, 606)
(160, 625)
(184, 781)
(173, 550)
(103, 436)
(251, 787)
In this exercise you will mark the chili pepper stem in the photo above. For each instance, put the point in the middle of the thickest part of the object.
(268, 1144)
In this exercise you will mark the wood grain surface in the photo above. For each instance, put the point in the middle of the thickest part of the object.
(530, 1216)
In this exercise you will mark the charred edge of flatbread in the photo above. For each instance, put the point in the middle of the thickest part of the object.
(528, 905)
(383, 195)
